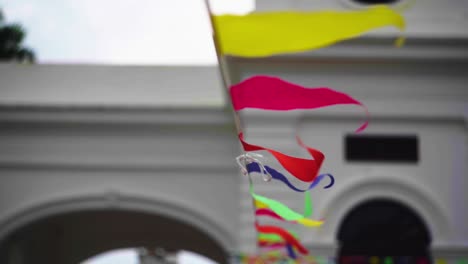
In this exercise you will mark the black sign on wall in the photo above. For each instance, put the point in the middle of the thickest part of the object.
(382, 148)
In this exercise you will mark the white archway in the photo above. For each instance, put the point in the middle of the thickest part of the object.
(120, 202)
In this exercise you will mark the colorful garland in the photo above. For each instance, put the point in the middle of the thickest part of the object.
(284, 96)
(273, 33)
(275, 257)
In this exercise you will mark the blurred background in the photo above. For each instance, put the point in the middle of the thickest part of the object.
(117, 144)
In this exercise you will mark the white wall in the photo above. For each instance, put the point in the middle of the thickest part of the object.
(100, 86)
(425, 18)
(150, 139)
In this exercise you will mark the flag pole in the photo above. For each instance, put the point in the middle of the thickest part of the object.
(223, 67)
(227, 82)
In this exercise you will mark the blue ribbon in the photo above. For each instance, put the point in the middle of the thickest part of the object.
(254, 167)
(291, 252)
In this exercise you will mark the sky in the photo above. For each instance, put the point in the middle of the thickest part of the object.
(129, 32)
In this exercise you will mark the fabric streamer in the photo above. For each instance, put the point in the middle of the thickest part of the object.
(272, 93)
(273, 238)
(269, 257)
(283, 211)
(268, 205)
(272, 242)
(284, 234)
(269, 33)
(291, 252)
(308, 211)
(263, 211)
(254, 167)
(303, 169)
(270, 245)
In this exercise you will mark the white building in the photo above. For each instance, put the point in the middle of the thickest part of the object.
(95, 158)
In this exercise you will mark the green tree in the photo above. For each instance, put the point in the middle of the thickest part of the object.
(11, 38)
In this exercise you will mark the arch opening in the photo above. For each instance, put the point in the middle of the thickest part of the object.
(77, 236)
(383, 227)
(144, 255)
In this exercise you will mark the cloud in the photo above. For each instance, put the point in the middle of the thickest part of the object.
(121, 31)
(18, 11)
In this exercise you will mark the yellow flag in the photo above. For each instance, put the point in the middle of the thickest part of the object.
(270, 33)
